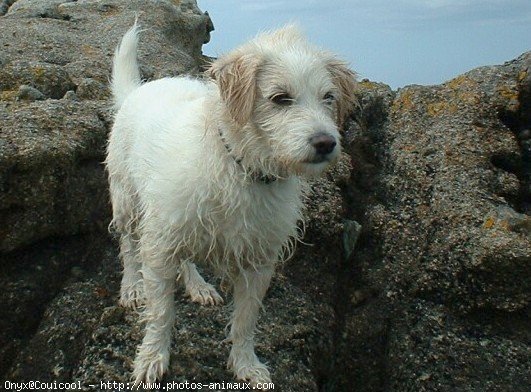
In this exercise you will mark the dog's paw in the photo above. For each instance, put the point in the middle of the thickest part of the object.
(150, 366)
(247, 367)
(255, 374)
(204, 294)
(132, 296)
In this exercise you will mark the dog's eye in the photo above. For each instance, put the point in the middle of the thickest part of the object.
(329, 98)
(283, 99)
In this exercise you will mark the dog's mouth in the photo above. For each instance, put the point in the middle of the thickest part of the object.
(314, 165)
(317, 159)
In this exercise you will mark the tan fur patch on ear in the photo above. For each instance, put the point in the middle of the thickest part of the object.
(236, 78)
(345, 81)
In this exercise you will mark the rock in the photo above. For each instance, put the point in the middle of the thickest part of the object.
(505, 218)
(415, 270)
(440, 174)
(32, 278)
(51, 151)
(70, 96)
(85, 337)
(89, 88)
(351, 233)
(52, 80)
(454, 157)
(29, 93)
(430, 349)
(55, 116)
(198, 352)
(51, 175)
(65, 327)
(37, 9)
(4, 6)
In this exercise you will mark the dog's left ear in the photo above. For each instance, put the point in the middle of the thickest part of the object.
(345, 81)
(236, 77)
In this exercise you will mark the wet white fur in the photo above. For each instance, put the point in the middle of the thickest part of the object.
(180, 197)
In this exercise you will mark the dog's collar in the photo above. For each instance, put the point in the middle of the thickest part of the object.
(257, 177)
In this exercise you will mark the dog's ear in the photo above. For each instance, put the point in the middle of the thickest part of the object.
(345, 81)
(236, 78)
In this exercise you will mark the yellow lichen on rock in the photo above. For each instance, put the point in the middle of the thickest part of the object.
(8, 95)
(438, 108)
(508, 92)
(511, 95)
(38, 72)
(460, 82)
(367, 84)
(403, 102)
(464, 89)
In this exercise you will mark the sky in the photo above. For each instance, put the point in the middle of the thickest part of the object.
(397, 42)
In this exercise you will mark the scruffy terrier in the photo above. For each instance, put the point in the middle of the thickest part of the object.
(213, 171)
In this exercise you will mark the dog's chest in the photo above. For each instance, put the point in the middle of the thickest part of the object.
(264, 207)
(251, 222)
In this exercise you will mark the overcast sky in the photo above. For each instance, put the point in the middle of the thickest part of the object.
(398, 42)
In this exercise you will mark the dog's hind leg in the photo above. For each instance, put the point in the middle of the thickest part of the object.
(124, 222)
(159, 275)
(131, 288)
(195, 286)
(249, 290)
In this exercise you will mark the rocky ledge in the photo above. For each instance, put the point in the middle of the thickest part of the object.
(417, 276)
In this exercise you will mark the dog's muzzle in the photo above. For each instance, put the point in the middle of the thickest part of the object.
(324, 145)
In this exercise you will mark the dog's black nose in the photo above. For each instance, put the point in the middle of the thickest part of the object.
(323, 143)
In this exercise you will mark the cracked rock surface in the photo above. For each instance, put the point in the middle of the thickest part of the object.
(430, 293)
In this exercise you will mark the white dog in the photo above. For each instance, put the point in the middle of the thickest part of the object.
(212, 171)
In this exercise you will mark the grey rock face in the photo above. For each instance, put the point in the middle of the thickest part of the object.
(416, 271)
(51, 173)
(443, 264)
(51, 149)
(51, 79)
(30, 93)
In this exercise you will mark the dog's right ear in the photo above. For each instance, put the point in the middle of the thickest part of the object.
(235, 75)
(345, 81)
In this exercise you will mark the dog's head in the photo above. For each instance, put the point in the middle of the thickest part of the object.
(292, 96)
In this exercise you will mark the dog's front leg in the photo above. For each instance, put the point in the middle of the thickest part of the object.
(153, 355)
(249, 290)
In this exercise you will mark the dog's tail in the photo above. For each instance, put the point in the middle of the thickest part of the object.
(125, 70)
